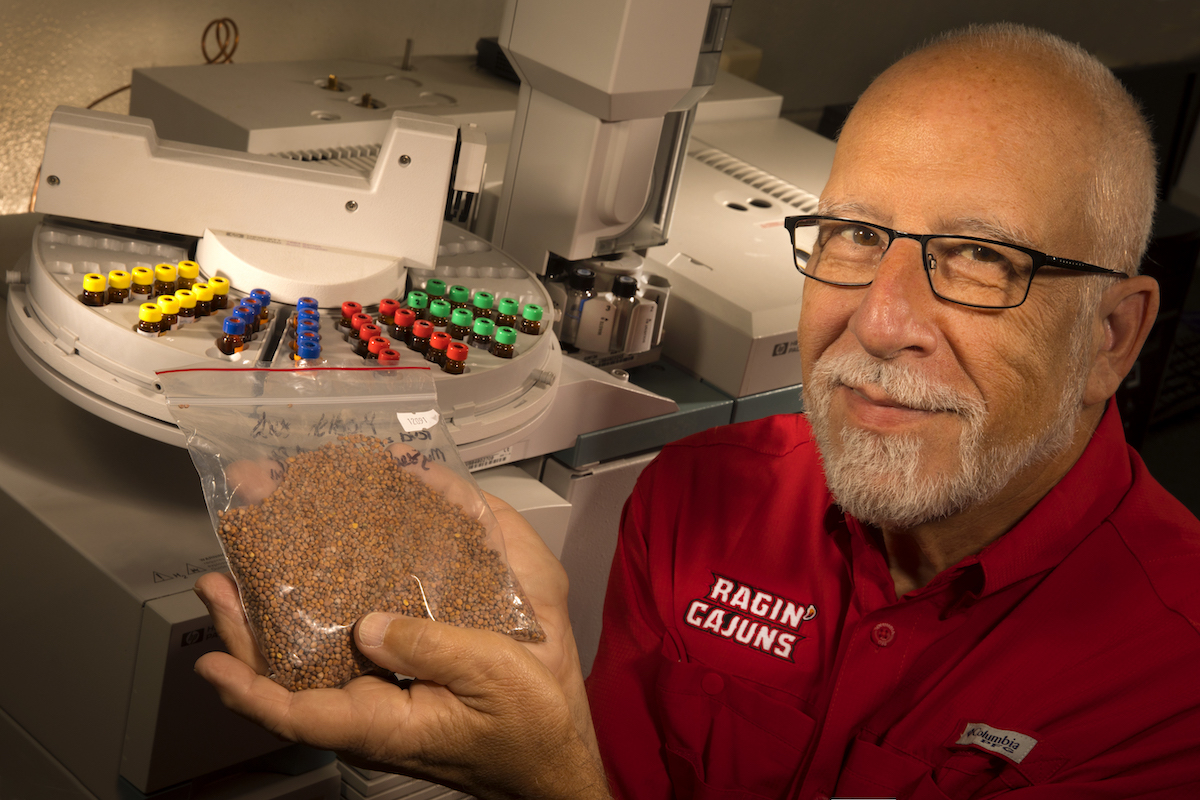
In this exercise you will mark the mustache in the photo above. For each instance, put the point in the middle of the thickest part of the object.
(900, 382)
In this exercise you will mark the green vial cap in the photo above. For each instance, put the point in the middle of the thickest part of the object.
(483, 300)
(460, 294)
(440, 308)
(505, 335)
(509, 307)
(435, 287)
(484, 326)
(418, 299)
(461, 317)
(532, 312)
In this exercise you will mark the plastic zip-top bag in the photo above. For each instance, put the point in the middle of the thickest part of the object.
(335, 492)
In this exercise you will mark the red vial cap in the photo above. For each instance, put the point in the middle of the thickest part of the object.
(440, 340)
(368, 332)
(388, 306)
(359, 319)
(388, 356)
(422, 329)
(378, 344)
(350, 308)
(457, 351)
(405, 317)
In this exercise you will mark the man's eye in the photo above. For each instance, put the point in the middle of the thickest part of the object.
(978, 252)
(862, 237)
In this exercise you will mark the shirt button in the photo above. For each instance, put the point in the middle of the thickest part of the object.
(712, 683)
(883, 634)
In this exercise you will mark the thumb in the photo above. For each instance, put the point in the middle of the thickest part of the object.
(463, 660)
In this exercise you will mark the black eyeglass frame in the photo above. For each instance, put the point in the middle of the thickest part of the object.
(1039, 258)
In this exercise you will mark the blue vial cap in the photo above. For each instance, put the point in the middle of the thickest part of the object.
(252, 303)
(234, 326)
(308, 314)
(307, 302)
(308, 326)
(262, 295)
(308, 347)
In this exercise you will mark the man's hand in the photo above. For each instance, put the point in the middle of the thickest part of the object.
(488, 715)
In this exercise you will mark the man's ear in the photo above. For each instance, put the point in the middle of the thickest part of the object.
(1127, 311)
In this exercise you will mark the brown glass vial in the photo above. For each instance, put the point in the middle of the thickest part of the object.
(188, 275)
(169, 304)
(459, 326)
(402, 324)
(438, 343)
(220, 287)
(531, 319)
(232, 339)
(95, 290)
(143, 283)
(422, 330)
(456, 358)
(118, 285)
(204, 299)
(504, 344)
(164, 280)
(149, 319)
(506, 312)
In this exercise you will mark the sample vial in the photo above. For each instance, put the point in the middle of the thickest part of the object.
(460, 296)
(531, 319)
(309, 314)
(349, 309)
(456, 358)
(388, 358)
(246, 315)
(220, 287)
(436, 289)
(302, 327)
(307, 303)
(365, 334)
(460, 323)
(309, 350)
(233, 336)
(187, 305)
(204, 299)
(189, 273)
(118, 285)
(505, 343)
(143, 283)
(402, 324)
(422, 330)
(506, 312)
(149, 319)
(387, 312)
(439, 313)
(306, 339)
(438, 343)
(248, 307)
(169, 304)
(95, 290)
(164, 280)
(418, 301)
(581, 288)
(264, 299)
(481, 305)
(356, 323)
(624, 296)
(481, 333)
(377, 345)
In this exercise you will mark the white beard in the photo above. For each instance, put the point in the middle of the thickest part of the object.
(886, 480)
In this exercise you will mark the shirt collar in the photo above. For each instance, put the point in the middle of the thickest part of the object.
(1075, 506)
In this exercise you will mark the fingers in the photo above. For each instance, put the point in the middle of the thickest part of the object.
(220, 596)
(462, 659)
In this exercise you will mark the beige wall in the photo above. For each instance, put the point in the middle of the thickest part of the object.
(816, 52)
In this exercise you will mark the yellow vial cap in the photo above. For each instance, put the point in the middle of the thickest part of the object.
(189, 269)
(164, 272)
(169, 304)
(143, 275)
(219, 285)
(203, 291)
(119, 279)
(149, 312)
(186, 298)
(94, 282)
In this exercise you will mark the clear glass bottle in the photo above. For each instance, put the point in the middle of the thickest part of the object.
(581, 288)
(624, 297)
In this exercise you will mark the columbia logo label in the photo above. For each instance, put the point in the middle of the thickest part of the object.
(1015, 746)
(780, 349)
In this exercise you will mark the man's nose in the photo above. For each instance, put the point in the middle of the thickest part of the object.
(896, 315)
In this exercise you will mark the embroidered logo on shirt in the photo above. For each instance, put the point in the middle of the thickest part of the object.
(1006, 743)
(751, 617)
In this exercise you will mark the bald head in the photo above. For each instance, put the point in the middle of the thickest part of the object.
(1026, 94)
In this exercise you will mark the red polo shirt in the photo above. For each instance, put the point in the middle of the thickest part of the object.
(754, 646)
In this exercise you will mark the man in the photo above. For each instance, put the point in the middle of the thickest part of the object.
(959, 582)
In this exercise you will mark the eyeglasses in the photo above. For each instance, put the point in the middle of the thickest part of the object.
(981, 273)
